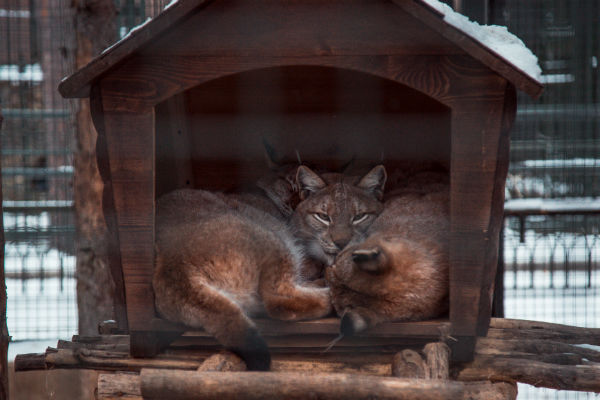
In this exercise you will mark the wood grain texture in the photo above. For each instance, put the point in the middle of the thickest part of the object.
(295, 29)
(128, 386)
(144, 81)
(438, 328)
(113, 251)
(491, 391)
(409, 364)
(509, 329)
(173, 146)
(476, 133)
(437, 356)
(537, 373)
(130, 150)
(157, 384)
(520, 357)
(120, 385)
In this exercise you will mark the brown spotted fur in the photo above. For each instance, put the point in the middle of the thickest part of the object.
(221, 259)
(400, 270)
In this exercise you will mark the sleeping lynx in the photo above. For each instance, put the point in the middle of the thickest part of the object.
(221, 259)
(400, 270)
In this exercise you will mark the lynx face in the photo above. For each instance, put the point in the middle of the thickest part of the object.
(335, 210)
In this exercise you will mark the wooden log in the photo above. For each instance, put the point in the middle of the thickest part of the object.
(121, 385)
(116, 347)
(409, 364)
(490, 391)
(30, 362)
(584, 378)
(108, 327)
(312, 367)
(98, 360)
(437, 356)
(100, 340)
(514, 347)
(69, 358)
(224, 361)
(502, 328)
(160, 384)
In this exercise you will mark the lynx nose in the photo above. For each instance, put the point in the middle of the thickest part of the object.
(341, 242)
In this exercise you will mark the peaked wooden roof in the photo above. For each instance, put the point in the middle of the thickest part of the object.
(78, 84)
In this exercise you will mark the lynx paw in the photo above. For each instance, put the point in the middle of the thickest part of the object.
(323, 305)
(305, 303)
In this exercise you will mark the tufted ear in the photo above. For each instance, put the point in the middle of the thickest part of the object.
(371, 260)
(308, 181)
(271, 157)
(374, 181)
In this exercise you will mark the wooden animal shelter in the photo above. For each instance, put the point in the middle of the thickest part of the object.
(186, 100)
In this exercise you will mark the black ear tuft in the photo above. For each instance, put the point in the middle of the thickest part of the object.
(273, 161)
(374, 181)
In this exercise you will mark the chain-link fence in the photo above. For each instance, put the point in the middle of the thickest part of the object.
(552, 229)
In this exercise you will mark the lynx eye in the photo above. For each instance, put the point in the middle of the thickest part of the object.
(323, 218)
(358, 218)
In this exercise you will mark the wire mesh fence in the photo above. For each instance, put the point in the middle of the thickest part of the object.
(552, 262)
(37, 163)
(36, 173)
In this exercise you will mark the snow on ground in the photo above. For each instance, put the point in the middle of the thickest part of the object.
(552, 249)
(16, 73)
(4, 13)
(552, 205)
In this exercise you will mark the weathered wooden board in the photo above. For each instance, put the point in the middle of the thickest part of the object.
(317, 28)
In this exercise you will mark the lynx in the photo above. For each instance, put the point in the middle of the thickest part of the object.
(221, 259)
(399, 271)
(334, 210)
(219, 262)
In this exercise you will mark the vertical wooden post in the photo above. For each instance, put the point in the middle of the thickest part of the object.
(508, 118)
(126, 151)
(3, 328)
(479, 162)
(113, 252)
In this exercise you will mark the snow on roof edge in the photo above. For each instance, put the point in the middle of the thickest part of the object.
(128, 34)
(495, 37)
